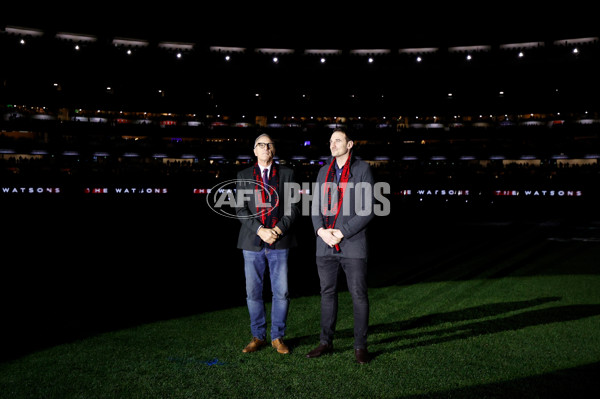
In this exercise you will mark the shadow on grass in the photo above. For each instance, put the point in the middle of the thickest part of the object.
(509, 323)
(400, 331)
(576, 382)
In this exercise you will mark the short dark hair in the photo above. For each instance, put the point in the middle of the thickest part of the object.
(343, 130)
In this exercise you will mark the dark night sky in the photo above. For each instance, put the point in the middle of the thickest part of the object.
(392, 24)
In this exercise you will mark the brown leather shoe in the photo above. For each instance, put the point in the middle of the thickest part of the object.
(322, 349)
(254, 345)
(362, 356)
(280, 346)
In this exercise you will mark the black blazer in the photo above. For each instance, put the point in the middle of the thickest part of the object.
(352, 225)
(250, 223)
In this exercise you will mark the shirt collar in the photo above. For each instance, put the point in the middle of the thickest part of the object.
(337, 167)
(262, 168)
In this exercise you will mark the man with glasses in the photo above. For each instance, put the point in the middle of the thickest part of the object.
(265, 238)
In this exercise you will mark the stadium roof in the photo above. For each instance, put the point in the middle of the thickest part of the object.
(302, 25)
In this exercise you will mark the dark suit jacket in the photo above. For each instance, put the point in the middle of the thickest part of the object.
(352, 225)
(250, 223)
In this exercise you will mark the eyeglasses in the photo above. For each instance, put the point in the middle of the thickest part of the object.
(262, 146)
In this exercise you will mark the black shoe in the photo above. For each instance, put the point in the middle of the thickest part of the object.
(362, 356)
(322, 349)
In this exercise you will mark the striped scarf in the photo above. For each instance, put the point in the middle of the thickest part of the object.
(330, 179)
(269, 216)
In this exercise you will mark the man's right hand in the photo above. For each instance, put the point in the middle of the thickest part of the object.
(267, 235)
(329, 236)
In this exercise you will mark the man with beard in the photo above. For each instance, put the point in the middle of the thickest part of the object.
(342, 209)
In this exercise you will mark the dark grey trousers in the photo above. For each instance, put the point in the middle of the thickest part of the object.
(356, 277)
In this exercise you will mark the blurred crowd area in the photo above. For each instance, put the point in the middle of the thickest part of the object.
(15, 168)
(489, 157)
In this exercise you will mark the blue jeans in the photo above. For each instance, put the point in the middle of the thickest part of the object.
(255, 264)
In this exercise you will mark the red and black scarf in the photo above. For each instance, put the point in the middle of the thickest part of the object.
(329, 217)
(269, 216)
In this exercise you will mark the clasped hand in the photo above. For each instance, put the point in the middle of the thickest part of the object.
(331, 237)
(269, 235)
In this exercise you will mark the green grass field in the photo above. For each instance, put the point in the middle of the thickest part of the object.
(516, 318)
